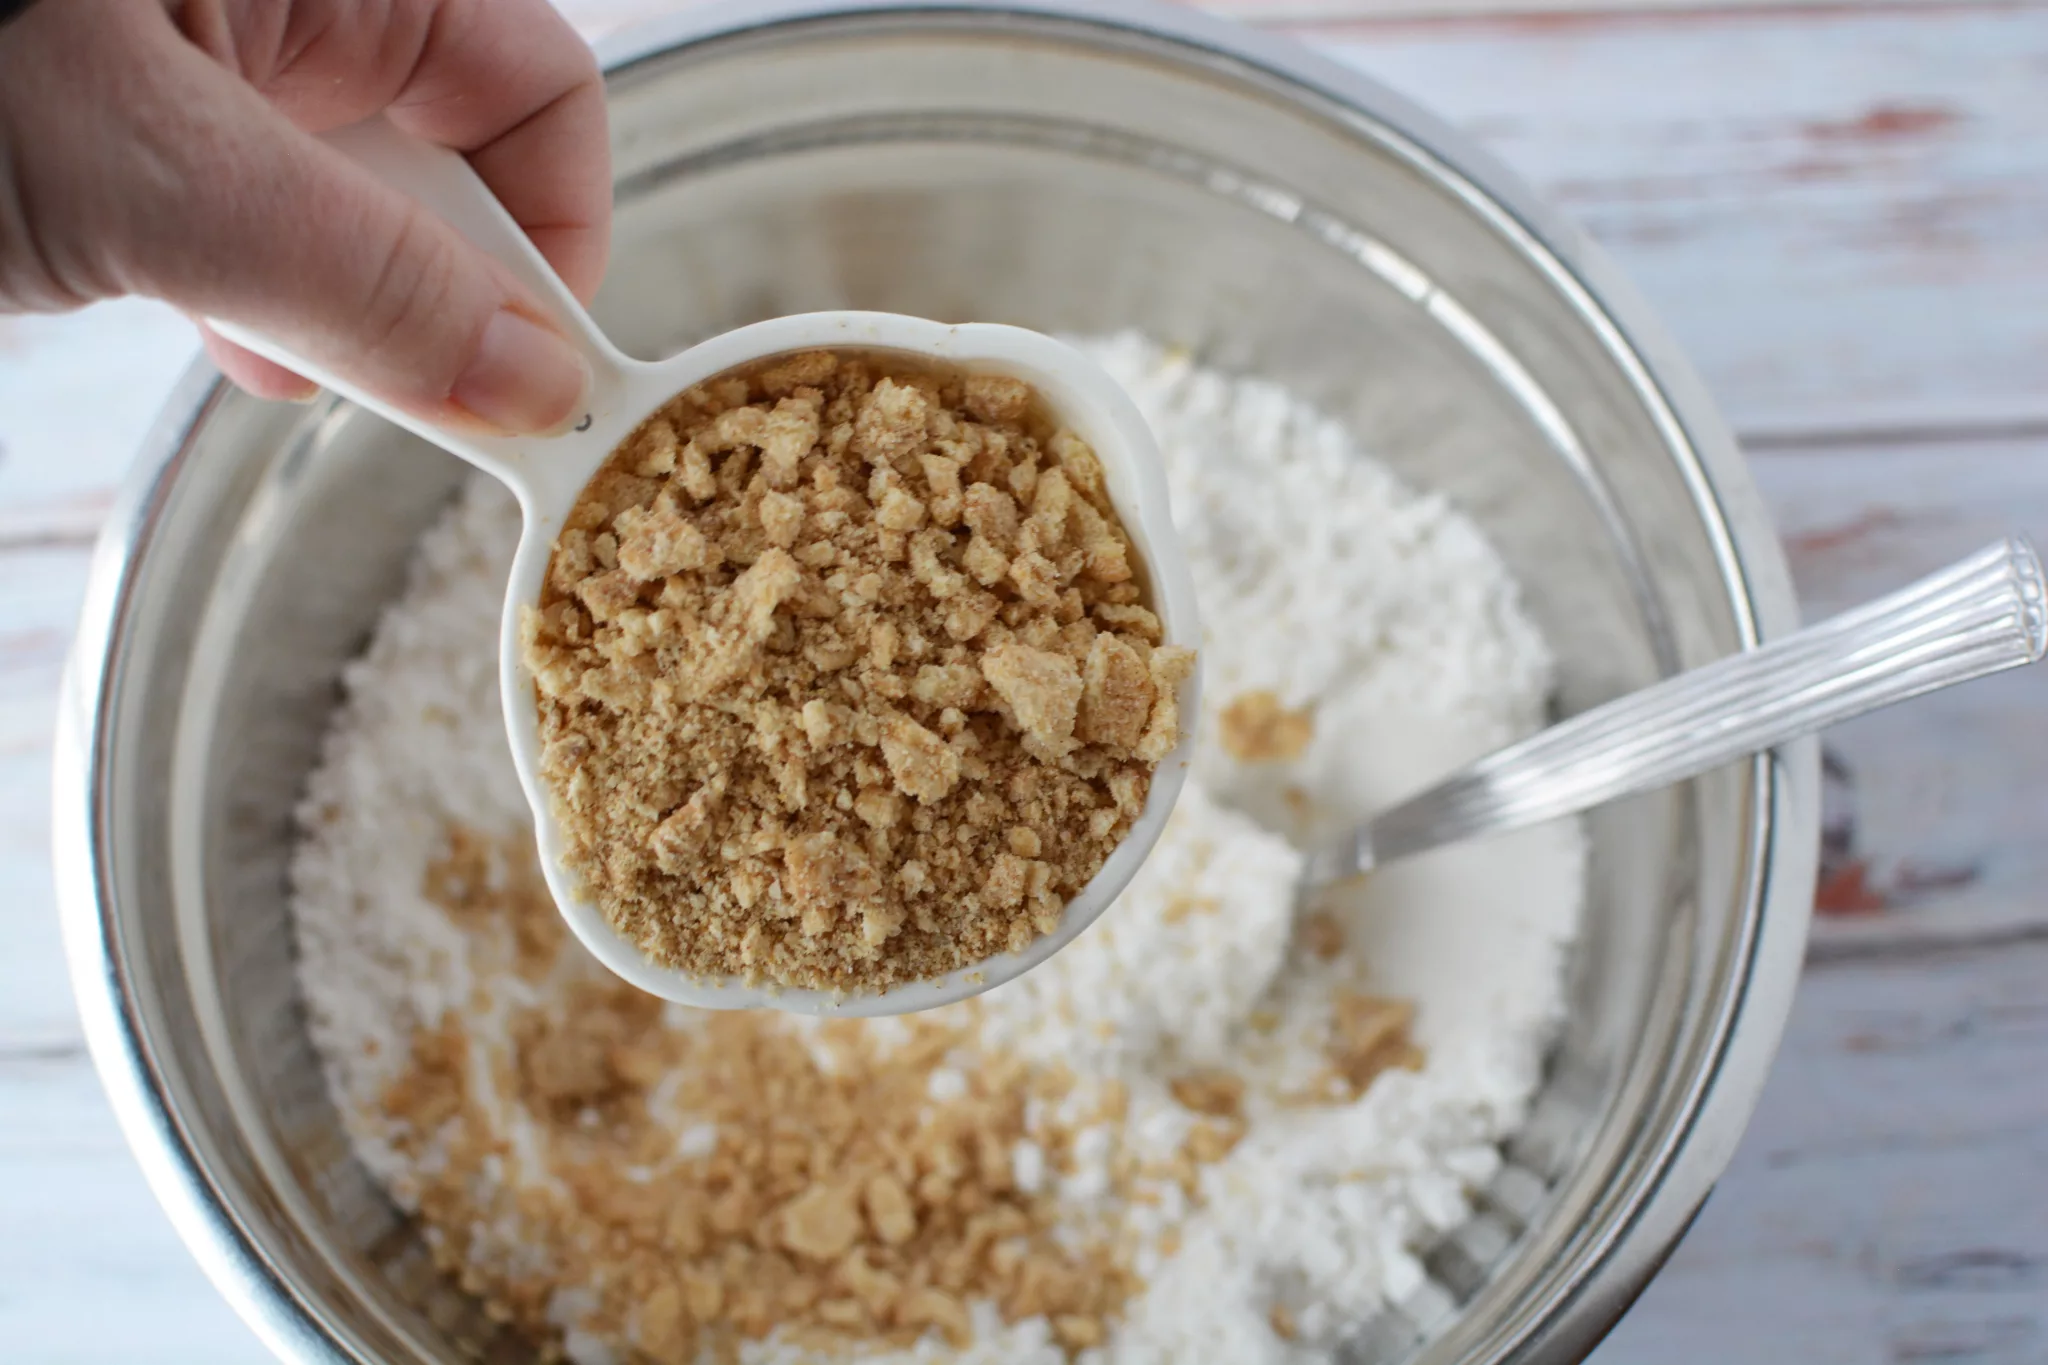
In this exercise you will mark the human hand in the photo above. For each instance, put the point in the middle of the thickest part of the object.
(166, 148)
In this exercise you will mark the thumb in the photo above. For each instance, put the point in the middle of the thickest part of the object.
(280, 233)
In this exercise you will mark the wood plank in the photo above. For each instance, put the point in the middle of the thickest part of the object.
(1838, 214)
(1890, 1201)
(40, 589)
(1938, 829)
(78, 393)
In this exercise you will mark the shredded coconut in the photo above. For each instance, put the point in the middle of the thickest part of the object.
(1255, 1136)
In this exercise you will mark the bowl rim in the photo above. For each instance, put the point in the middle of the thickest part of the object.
(1588, 1289)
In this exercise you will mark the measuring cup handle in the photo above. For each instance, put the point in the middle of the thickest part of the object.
(442, 181)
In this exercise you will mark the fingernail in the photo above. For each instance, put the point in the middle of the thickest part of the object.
(523, 377)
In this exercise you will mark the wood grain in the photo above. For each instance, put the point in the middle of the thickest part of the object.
(1839, 214)
(1939, 833)
(78, 392)
(1890, 1202)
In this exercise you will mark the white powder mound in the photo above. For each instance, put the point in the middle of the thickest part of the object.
(1322, 578)
(418, 743)
(1172, 973)
(1317, 573)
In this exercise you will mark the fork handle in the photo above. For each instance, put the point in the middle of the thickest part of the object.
(1980, 615)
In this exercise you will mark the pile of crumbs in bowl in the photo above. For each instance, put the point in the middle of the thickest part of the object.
(1213, 1128)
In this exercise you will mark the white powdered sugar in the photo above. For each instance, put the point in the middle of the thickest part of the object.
(418, 744)
(1165, 976)
(1321, 578)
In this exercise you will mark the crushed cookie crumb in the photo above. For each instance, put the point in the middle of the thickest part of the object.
(1323, 935)
(485, 882)
(845, 676)
(1369, 1034)
(1256, 728)
(836, 1196)
(1219, 1094)
(1185, 906)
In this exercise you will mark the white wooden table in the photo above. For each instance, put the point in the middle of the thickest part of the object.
(1842, 211)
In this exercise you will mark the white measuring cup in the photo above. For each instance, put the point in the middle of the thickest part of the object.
(547, 473)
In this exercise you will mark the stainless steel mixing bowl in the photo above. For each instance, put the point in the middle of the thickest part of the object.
(1070, 166)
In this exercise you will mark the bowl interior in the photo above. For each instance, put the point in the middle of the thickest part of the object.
(1057, 174)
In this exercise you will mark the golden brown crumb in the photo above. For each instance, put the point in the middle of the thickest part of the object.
(1210, 1142)
(1322, 934)
(844, 675)
(1218, 1094)
(490, 882)
(1370, 1035)
(1077, 1331)
(1183, 906)
(1256, 728)
(832, 1198)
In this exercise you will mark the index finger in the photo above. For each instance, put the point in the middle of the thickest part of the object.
(508, 83)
